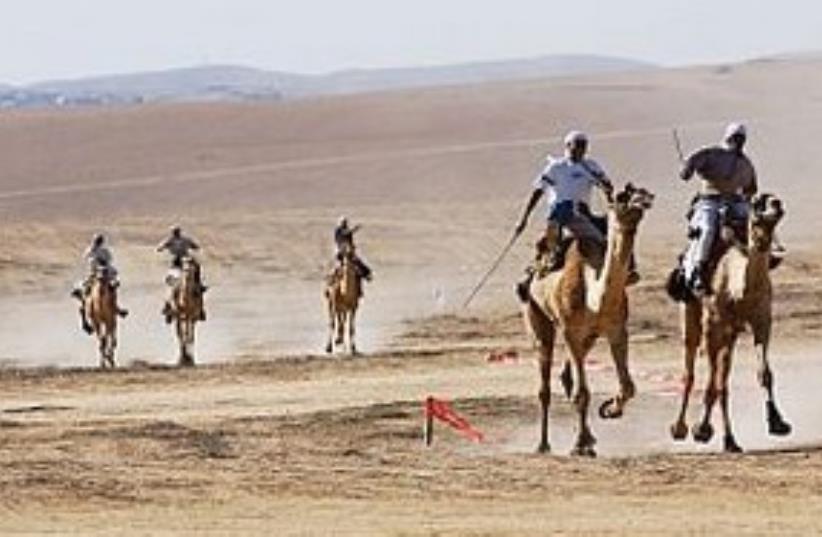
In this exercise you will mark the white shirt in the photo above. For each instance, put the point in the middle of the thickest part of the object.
(565, 180)
(98, 257)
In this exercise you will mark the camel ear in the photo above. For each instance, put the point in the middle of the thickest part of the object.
(778, 208)
(760, 202)
(623, 197)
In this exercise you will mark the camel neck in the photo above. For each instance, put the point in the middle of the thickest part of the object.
(757, 270)
(610, 285)
(350, 281)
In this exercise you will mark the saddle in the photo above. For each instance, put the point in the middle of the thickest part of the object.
(553, 260)
(175, 274)
(105, 276)
(733, 234)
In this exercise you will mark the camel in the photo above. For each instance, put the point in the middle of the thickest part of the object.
(187, 308)
(343, 293)
(584, 300)
(742, 297)
(100, 315)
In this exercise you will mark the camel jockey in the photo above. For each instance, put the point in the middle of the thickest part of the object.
(100, 261)
(180, 247)
(567, 183)
(728, 184)
(344, 239)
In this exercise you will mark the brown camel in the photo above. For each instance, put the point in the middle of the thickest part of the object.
(343, 294)
(583, 300)
(742, 297)
(100, 311)
(187, 309)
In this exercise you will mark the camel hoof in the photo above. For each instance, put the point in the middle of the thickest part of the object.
(329, 348)
(609, 410)
(679, 431)
(544, 448)
(703, 433)
(567, 380)
(779, 428)
(776, 425)
(731, 446)
(584, 451)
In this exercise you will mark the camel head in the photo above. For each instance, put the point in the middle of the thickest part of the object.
(629, 205)
(348, 251)
(766, 213)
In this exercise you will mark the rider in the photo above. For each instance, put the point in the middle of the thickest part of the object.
(344, 239)
(99, 258)
(567, 183)
(728, 184)
(180, 247)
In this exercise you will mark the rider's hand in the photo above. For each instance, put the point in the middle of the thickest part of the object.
(520, 228)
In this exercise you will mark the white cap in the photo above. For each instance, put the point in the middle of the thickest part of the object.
(735, 129)
(343, 220)
(575, 137)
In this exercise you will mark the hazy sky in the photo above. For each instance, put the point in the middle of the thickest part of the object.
(67, 38)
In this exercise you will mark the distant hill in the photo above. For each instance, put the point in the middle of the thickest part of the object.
(237, 83)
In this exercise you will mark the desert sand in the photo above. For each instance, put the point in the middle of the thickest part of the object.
(269, 436)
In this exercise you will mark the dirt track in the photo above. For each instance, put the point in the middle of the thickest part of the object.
(310, 445)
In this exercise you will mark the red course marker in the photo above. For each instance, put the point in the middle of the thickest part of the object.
(442, 411)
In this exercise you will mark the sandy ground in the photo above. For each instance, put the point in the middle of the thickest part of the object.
(269, 437)
(311, 446)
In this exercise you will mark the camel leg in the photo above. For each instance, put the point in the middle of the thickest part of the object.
(724, 372)
(340, 328)
(102, 346)
(546, 356)
(614, 407)
(189, 340)
(762, 334)
(545, 333)
(579, 350)
(566, 378)
(704, 431)
(184, 360)
(191, 335)
(112, 346)
(692, 329)
(352, 316)
(329, 346)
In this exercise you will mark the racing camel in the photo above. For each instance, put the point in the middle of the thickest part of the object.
(343, 292)
(742, 298)
(584, 300)
(100, 315)
(187, 308)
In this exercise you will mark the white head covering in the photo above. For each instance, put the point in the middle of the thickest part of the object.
(574, 137)
(343, 221)
(735, 129)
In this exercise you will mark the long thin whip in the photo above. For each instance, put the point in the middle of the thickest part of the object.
(491, 271)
